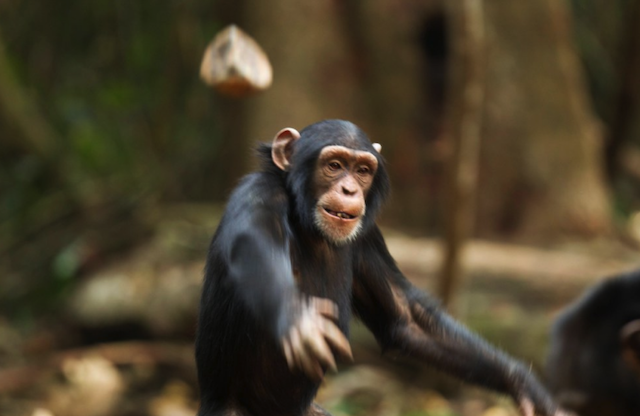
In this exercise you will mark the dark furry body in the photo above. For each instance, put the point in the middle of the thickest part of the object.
(242, 361)
(585, 366)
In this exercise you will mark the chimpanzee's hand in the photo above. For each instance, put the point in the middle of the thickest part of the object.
(630, 336)
(528, 409)
(307, 344)
(532, 397)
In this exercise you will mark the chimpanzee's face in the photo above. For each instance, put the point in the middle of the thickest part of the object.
(342, 179)
(333, 173)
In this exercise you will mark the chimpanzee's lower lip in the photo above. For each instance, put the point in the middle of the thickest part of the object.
(339, 214)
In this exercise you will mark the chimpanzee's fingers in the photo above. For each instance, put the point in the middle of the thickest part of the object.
(315, 372)
(526, 407)
(288, 353)
(325, 307)
(336, 338)
(297, 348)
(304, 333)
(310, 365)
(321, 350)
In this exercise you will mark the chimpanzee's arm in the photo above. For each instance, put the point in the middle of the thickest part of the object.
(253, 246)
(408, 320)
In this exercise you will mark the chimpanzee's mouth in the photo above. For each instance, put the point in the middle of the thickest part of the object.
(339, 214)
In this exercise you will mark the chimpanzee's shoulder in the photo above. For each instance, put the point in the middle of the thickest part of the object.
(603, 300)
(259, 191)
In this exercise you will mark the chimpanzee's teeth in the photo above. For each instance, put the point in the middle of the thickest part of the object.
(342, 215)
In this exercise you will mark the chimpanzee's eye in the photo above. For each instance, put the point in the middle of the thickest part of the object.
(334, 165)
(364, 170)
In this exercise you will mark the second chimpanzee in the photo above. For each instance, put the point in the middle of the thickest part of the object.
(296, 254)
(594, 362)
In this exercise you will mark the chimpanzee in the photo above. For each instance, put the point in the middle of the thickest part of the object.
(594, 363)
(296, 254)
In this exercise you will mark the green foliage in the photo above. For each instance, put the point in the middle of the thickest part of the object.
(117, 84)
(67, 262)
(118, 81)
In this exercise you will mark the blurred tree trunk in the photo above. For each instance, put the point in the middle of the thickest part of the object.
(312, 73)
(464, 127)
(625, 123)
(541, 173)
(384, 43)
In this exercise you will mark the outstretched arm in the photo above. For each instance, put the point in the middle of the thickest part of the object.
(406, 319)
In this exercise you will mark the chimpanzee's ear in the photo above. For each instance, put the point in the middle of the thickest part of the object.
(378, 147)
(282, 147)
(630, 337)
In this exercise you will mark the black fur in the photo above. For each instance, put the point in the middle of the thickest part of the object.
(585, 368)
(266, 237)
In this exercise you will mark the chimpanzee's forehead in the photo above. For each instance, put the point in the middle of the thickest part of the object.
(352, 141)
(337, 132)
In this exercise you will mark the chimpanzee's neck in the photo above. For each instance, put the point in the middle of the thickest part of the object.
(327, 269)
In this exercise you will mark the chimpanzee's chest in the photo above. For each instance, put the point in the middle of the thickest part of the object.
(325, 271)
